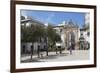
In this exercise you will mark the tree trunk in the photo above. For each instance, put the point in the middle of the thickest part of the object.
(38, 51)
(32, 50)
(47, 51)
(56, 50)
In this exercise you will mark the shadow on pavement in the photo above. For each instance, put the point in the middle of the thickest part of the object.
(30, 60)
(52, 56)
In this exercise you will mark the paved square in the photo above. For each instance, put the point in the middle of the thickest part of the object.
(53, 57)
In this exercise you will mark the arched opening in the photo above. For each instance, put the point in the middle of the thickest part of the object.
(71, 40)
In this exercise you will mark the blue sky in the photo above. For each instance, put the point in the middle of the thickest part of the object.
(54, 17)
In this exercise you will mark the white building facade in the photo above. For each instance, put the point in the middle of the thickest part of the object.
(69, 33)
(85, 32)
(27, 46)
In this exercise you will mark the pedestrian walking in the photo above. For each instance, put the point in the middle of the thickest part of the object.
(70, 48)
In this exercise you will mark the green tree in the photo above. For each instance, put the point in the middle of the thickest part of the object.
(35, 32)
(53, 37)
(32, 33)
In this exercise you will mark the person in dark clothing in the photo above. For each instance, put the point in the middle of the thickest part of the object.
(70, 48)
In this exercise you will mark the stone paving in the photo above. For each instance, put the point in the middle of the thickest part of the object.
(53, 57)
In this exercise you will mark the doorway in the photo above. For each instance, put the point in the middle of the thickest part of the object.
(71, 40)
